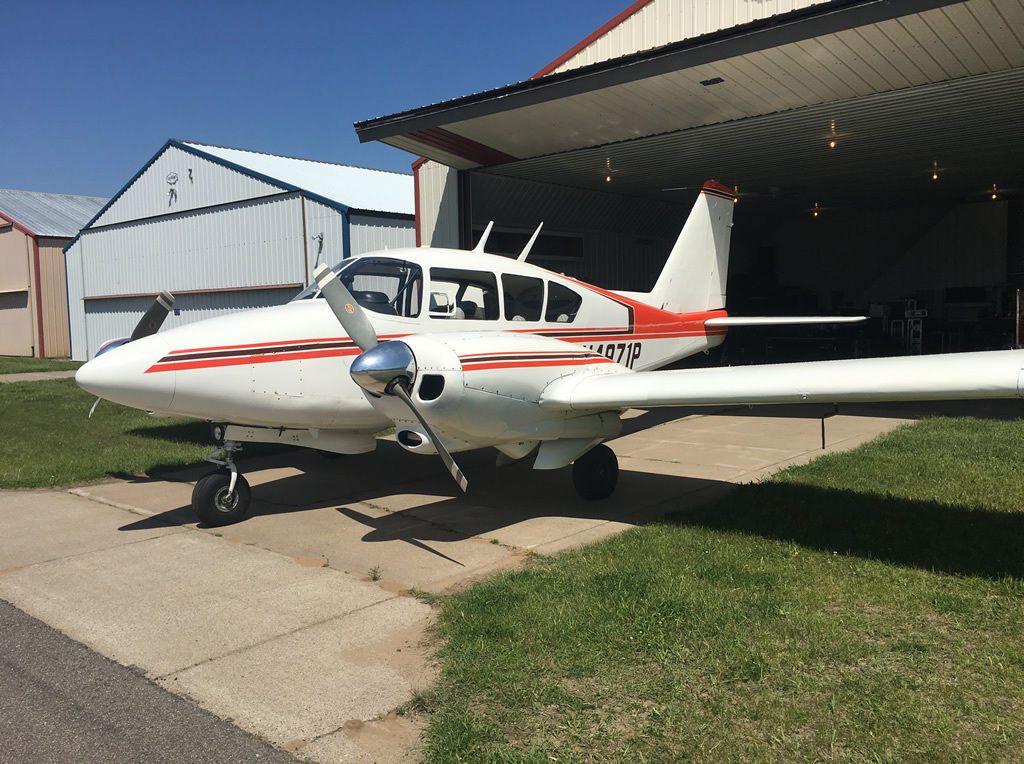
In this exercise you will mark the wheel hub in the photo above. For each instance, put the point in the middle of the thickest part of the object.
(225, 500)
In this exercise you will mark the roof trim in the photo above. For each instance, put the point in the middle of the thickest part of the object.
(598, 33)
(191, 149)
(20, 226)
(292, 156)
(802, 24)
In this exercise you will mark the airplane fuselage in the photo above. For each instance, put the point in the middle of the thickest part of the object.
(288, 366)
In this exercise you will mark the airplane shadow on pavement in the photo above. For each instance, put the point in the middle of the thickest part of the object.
(403, 497)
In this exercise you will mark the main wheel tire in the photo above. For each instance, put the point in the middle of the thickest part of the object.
(596, 473)
(213, 504)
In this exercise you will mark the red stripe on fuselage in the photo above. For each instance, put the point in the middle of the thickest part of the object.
(209, 363)
(534, 364)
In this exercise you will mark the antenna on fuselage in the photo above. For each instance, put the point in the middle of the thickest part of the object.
(529, 244)
(483, 239)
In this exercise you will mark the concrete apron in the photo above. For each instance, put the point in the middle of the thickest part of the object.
(300, 623)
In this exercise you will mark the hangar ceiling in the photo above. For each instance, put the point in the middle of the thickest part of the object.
(887, 147)
(828, 53)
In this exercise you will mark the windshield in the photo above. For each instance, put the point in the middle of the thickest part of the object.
(381, 284)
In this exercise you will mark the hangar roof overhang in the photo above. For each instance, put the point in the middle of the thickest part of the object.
(807, 72)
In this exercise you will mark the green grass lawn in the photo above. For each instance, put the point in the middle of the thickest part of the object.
(16, 365)
(866, 607)
(46, 439)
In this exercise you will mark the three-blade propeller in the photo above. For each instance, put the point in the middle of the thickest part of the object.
(388, 368)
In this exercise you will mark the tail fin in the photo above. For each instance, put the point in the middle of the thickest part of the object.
(695, 273)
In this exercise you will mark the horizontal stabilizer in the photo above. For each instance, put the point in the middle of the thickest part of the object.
(993, 374)
(782, 320)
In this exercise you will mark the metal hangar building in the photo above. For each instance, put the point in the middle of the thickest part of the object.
(224, 229)
(873, 145)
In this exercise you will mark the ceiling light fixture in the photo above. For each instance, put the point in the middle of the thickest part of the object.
(995, 192)
(816, 210)
(935, 170)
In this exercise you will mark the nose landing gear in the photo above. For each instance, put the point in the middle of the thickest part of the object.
(223, 496)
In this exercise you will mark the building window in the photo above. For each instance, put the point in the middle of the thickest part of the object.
(463, 294)
(563, 304)
(524, 297)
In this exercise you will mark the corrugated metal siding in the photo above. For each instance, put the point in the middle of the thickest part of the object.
(510, 201)
(15, 300)
(665, 21)
(625, 239)
(210, 184)
(249, 244)
(15, 248)
(53, 280)
(109, 319)
(76, 305)
(371, 234)
(325, 235)
(438, 205)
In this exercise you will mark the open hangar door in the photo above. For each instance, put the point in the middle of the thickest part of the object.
(874, 146)
(902, 208)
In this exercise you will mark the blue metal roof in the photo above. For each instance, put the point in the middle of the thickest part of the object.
(61, 215)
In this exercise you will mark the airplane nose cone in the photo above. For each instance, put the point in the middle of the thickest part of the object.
(120, 375)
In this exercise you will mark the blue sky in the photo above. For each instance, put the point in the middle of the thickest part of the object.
(94, 89)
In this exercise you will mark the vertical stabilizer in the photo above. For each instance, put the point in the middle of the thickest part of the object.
(695, 273)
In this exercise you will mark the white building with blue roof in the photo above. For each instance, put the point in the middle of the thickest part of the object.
(224, 229)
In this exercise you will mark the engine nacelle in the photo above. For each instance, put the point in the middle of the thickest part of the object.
(480, 389)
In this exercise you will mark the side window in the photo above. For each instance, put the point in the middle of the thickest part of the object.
(463, 294)
(563, 304)
(524, 297)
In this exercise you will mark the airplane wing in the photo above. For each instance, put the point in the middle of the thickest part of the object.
(995, 374)
(782, 320)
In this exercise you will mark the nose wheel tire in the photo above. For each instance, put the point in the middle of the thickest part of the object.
(596, 473)
(213, 502)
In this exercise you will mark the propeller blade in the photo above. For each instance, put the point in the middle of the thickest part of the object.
(349, 313)
(449, 462)
(154, 317)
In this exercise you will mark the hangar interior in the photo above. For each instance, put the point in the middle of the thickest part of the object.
(873, 146)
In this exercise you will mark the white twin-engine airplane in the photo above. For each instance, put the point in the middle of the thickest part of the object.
(460, 350)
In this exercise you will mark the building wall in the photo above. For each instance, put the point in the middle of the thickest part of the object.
(15, 293)
(372, 233)
(109, 319)
(211, 183)
(625, 239)
(664, 21)
(254, 243)
(245, 254)
(437, 205)
(54, 291)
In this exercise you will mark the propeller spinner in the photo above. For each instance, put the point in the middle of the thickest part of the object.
(388, 368)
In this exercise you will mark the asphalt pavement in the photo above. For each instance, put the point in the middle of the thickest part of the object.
(60, 701)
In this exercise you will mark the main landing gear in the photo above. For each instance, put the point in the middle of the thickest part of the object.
(596, 473)
(223, 496)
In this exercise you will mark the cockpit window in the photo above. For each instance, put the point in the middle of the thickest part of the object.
(463, 294)
(524, 297)
(381, 284)
(563, 304)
